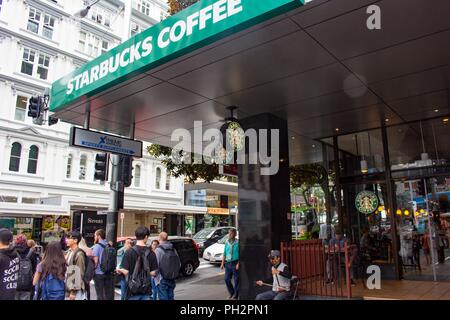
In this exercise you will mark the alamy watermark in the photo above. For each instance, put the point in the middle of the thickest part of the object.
(374, 20)
(230, 146)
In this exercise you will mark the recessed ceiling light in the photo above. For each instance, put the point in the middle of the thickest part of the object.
(445, 120)
(337, 129)
(293, 138)
(313, 145)
(436, 110)
(387, 119)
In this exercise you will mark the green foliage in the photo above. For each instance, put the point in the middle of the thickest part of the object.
(178, 5)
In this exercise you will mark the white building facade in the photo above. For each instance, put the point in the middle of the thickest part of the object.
(45, 185)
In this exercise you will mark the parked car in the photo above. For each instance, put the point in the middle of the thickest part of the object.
(208, 236)
(214, 253)
(187, 250)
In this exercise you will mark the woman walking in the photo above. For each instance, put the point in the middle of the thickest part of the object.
(50, 274)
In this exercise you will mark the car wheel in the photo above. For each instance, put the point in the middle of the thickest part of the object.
(188, 269)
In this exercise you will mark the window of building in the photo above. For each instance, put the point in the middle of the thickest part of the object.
(8, 199)
(143, 6)
(92, 45)
(0, 5)
(168, 177)
(83, 165)
(41, 23)
(21, 108)
(135, 29)
(137, 176)
(158, 178)
(29, 65)
(14, 160)
(69, 166)
(99, 14)
(30, 200)
(33, 159)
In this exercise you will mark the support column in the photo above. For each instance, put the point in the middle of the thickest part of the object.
(391, 201)
(337, 170)
(264, 206)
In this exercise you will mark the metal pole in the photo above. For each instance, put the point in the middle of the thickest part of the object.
(115, 201)
(87, 117)
(433, 261)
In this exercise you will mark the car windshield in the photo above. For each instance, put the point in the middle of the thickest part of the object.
(202, 234)
(223, 240)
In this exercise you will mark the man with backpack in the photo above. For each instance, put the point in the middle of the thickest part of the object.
(9, 266)
(105, 266)
(76, 268)
(138, 264)
(169, 265)
(27, 267)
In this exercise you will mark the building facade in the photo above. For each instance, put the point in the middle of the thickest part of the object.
(46, 186)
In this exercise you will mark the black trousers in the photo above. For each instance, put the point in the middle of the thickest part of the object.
(104, 286)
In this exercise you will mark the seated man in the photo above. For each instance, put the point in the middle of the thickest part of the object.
(281, 280)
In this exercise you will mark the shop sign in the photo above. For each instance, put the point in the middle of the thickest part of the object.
(199, 25)
(366, 202)
(212, 198)
(104, 142)
(218, 211)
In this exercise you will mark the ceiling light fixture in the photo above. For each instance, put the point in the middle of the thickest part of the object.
(337, 129)
(445, 120)
(436, 110)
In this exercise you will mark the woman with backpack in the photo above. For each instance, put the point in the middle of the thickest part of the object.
(50, 274)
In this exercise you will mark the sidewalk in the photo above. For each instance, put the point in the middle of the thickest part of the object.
(405, 290)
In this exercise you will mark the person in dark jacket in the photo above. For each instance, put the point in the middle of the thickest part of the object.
(21, 247)
(9, 266)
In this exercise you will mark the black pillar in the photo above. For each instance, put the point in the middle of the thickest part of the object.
(337, 170)
(264, 205)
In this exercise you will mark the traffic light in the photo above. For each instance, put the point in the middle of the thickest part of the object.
(127, 170)
(52, 120)
(101, 166)
(35, 107)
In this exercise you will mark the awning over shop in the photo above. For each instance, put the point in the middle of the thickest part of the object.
(318, 66)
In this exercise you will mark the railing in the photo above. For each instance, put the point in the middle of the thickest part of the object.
(321, 270)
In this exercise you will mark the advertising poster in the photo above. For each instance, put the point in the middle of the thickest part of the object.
(53, 227)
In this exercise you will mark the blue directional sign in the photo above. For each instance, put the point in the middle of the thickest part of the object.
(83, 138)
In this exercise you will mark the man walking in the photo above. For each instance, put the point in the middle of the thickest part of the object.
(230, 261)
(28, 262)
(169, 265)
(76, 262)
(9, 266)
(138, 264)
(104, 283)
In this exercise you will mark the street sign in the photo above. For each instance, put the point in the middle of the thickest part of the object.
(199, 25)
(105, 142)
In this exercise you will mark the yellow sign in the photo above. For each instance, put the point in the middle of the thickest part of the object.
(218, 211)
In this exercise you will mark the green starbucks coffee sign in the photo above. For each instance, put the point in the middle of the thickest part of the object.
(367, 202)
(200, 24)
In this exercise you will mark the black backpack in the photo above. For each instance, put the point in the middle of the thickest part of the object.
(25, 274)
(109, 259)
(169, 264)
(139, 280)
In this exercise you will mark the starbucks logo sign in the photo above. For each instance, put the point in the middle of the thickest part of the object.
(366, 202)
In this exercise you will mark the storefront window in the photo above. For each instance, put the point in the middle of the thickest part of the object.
(419, 144)
(361, 153)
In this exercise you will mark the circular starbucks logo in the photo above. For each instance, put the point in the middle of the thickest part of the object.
(366, 202)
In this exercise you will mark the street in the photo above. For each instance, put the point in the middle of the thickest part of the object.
(207, 283)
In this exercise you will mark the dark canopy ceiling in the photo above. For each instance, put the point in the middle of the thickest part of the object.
(319, 67)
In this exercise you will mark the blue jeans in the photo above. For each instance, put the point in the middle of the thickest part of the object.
(165, 289)
(154, 289)
(123, 288)
(230, 271)
(140, 297)
(272, 295)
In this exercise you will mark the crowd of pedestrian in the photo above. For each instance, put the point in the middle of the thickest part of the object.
(67, 269)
